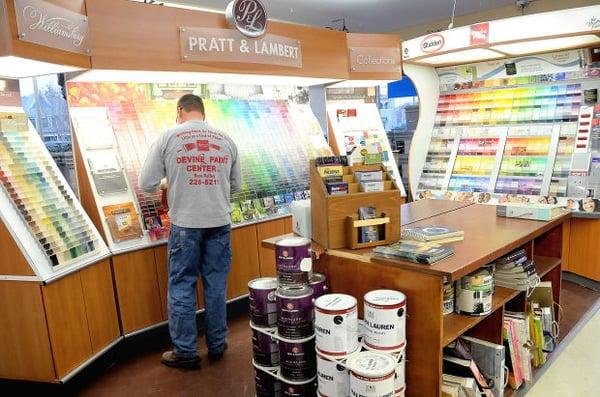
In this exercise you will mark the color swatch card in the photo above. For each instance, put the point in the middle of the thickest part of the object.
(275, 140)
(45, 204)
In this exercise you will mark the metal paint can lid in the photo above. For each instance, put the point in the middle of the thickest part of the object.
(386, 298)
(294, 292)
(293, 242)
(264, 283)
(371, 365)
(335, 303)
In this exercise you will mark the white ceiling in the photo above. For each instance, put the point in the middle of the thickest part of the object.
(361, 15)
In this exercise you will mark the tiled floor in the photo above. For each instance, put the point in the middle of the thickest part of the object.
(134, 369)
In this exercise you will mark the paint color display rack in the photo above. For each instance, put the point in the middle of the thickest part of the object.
(38, 207)
(275, 371)
(116, 123)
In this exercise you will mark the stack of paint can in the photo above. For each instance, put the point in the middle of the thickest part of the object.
(282, 323)
(385, 330)
(336, 327)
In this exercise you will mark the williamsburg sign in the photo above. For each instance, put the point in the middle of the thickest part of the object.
(46, 24)
(246, 41)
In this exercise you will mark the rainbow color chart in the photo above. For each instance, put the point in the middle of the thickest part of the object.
(275, 141)
(545, 104)
(42, 201)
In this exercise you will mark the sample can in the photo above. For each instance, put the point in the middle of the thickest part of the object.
(295, 312)
(371, 374)
(336, 324)
(293, 261)
(308, 389)
(263, 308)
(385, 319)
(297, 359)
(266, 384)
(333, 378)
(474, 293)
(265, 349)
(318, 282)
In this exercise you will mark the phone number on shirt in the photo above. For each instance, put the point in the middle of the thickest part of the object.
(204, 182)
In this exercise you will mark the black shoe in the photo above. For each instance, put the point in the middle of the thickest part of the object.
(217, 355)
(170, 359)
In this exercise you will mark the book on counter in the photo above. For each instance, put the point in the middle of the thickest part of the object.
(432, 233)
(532, 211)
(415, 251)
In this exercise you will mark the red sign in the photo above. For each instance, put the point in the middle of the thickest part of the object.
(480, 33)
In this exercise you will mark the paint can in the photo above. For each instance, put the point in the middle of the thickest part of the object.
(336, 324)
(333, 378)
(295, 312)
(297, 359)
(448, 307)
(385, 319)
(371, 374)
(265, 349)
(318, 282)
(266, 384)
(474, 293)
(308, 389)
(263, 307)
(400, 375)
(401, 392)
(293, 261)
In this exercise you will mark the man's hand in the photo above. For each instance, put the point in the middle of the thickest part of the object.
(164, 184)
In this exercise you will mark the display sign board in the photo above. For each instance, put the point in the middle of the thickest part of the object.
(227, 45)
(370, 59)
(46, 24)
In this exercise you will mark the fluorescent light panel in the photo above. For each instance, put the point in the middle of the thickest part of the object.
(16, 67)
(465, 56)
(135, 76)
(546, 45)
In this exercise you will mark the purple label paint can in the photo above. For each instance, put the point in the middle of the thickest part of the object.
(298, 359)
(308, 389)
(266, 384)
(293, 261)
(265, 349)
(263, 305)
(318, 282)
(295, 312)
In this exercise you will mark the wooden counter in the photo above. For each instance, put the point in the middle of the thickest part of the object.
(487, 238)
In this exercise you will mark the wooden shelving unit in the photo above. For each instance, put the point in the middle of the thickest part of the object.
(487, 238)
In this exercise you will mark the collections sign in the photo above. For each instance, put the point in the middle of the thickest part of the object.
(380, 60)
(227, 45)
(249, 17)
(46, 24)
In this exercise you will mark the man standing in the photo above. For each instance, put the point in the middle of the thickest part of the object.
(202, 167)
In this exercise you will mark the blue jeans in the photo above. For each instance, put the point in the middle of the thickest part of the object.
(194, 253)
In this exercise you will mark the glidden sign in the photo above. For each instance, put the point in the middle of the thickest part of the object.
(432, 43)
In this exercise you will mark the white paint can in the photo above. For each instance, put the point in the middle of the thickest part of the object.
(371, 374)
(334, 378)
(401, 392)
(474, 293)
(336, 324)
(400, 375)
(385, 319)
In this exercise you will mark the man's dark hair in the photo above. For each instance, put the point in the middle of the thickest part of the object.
(190, 103)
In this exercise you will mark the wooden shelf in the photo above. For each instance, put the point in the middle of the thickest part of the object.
(456, 325)
(545, 264)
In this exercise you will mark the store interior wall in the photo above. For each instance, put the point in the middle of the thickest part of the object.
(534, 7)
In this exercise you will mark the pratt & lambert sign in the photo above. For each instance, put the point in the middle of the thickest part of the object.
(246, 42)
(46, 24)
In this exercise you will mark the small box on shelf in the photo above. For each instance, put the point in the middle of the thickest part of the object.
(329, 212)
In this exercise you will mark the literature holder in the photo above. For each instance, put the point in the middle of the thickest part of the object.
(330, 213)
(353, 225)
